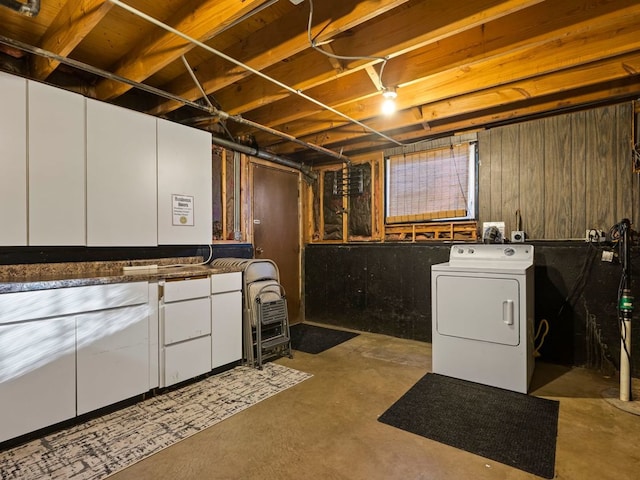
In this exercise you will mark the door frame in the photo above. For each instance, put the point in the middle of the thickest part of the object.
(250, 214)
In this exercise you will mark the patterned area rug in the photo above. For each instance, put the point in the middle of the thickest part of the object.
(102, 446)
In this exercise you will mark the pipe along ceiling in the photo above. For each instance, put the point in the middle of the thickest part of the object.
(30, 8)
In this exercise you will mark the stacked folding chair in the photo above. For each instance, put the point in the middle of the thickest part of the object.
(265, 321)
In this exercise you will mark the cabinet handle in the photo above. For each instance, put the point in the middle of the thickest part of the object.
(259, 250)
(507, 312)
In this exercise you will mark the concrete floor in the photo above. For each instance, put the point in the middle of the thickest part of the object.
(326, 427)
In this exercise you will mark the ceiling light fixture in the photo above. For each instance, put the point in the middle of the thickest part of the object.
(389, 103)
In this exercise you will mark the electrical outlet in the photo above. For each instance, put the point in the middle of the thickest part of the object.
(607, 256)
(595, 235)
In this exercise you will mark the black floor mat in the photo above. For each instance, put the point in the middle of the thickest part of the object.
(312, 339)
(508, 427)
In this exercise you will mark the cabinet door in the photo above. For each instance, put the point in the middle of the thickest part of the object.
(13, 160)
(113, 356)
(121, 177)
(186, 360)
(226, 328)
(184, 185)
(37, 375)
(56, 124)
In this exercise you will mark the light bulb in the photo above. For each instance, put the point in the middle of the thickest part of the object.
(388, 106)
(389, 103)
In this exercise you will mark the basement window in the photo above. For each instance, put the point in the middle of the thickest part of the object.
(434, 184)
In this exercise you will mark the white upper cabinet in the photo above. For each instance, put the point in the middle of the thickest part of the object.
(56, 126)
(13, 160)
(121, 177)
(184, 185)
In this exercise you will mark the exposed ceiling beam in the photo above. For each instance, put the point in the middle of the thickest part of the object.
(288, 34)
(455, 65)
(543, 23)
(401, 32)
(499, 69)
(496, 116)
(72, 24)
(360, 140)
(591, 77)
(202, 22)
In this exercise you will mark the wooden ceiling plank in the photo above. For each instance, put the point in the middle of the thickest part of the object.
(72, 24)
(255, 92)
(401, 35)
(607, 94)
(544, 22)
(473, 11)
(438, 19)
(474, 104)
(339, 92)
(281, 40)
(202, 22)
(500, 69)
(367, 144)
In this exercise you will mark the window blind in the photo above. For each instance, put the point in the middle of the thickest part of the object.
(428, 185)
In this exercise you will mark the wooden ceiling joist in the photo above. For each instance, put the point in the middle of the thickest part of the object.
(74, 21)
(396, 24)
(475, 76)
(455, 65)
(598, 82)
(304, 72)
(202, 22)
(290, 36)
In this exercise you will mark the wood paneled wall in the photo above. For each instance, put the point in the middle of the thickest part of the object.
(564, 174)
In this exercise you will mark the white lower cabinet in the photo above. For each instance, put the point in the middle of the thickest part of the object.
(68, 351)
(112, 356)
(186, 360)
(185, 326)
(226, 328)
(37, 375)
(226, 318)
(186, 320)
(154, 337)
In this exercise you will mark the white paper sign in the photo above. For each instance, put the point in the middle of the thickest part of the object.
(182, 210)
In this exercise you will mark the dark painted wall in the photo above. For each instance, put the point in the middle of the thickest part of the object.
(26, 255)
(386, 288)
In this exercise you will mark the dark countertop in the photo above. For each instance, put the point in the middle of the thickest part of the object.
(29, 280)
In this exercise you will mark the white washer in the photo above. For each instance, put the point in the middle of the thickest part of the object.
(482, 315)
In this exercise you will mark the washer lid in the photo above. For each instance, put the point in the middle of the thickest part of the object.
(484, 267)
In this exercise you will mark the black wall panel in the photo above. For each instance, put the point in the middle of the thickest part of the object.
(386, 288)
(20, 255)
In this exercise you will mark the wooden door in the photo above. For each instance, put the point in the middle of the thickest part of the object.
(276, 227)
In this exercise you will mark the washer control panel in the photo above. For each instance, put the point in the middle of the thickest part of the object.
(494, 252)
